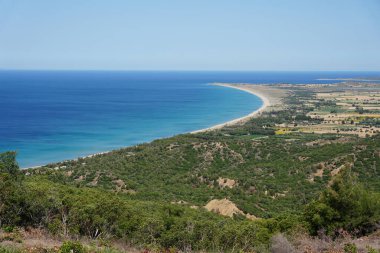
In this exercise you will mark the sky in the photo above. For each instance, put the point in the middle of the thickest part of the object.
(312, 35)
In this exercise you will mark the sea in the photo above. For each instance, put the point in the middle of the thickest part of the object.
(50, 116)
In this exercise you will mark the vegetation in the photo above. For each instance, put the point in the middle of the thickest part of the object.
(71, 247)
(70, 211)
(151, 196)
(347, 205)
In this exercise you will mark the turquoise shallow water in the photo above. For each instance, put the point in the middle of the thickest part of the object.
(48, 116)
(52, 116)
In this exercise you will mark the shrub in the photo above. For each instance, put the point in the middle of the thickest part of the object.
(55, 226)
(350, 248)
(8, 229)
(71, 247)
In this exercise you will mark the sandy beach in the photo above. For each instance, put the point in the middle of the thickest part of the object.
(269, 95)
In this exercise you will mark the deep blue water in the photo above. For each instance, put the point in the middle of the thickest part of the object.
(48, 116)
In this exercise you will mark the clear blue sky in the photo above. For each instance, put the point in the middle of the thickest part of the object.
(190, 35)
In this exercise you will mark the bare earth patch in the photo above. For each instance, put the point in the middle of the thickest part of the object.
(226, 207)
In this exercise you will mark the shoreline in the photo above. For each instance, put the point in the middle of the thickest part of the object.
(249, 88)
(261, 91)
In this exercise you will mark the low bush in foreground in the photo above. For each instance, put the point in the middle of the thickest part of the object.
(344, 206)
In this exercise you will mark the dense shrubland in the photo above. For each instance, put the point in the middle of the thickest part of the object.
(72, 212)
(76, 212)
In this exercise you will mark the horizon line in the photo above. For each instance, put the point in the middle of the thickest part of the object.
(179, 70)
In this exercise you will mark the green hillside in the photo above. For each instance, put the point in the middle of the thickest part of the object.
(153, 195)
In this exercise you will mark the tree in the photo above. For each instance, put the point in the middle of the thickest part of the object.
(11, 198)
(346, 204)
(8, 163)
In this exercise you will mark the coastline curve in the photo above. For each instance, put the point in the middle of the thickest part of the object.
(249, 89)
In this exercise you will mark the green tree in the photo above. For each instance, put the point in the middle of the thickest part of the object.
(11, 196)
(8, 163)
(345, 204)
